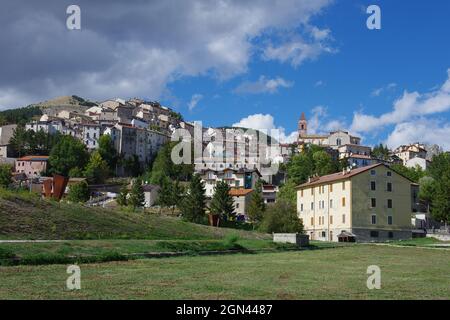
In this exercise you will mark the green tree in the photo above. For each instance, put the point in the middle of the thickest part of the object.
(194, 203)
(122, 197)
(18, 141)
(323, 164)
(78, 192)
(97, 170)
(222, 202)
(136, 197)
(288, 192)
(439, 170)
(165, 197)
(68, 153)
(413, 174)
(380, 152)
(281, 217)
(132, 166)
(107, 151)
(299, 168)
(5, 175)
(256, 206)
(76, 173)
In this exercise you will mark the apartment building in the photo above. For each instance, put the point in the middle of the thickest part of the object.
(408, 152)
(371, 203)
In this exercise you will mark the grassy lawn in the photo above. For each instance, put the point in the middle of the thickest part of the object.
(335, 273)
(55, 252)
(26, 216)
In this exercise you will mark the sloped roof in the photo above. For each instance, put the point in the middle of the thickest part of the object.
(239, 192)
(339, 176)
(33, 158)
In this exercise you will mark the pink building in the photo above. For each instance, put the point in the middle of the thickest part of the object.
(32, 166)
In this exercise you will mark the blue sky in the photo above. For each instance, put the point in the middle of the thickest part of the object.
(368, 71)
(253, 63)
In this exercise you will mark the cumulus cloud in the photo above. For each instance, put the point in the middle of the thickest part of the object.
(265, 123)
(409, 106)
(195, 99)
(136, 48)
(427, 131)
(263, 85)
(298, 49)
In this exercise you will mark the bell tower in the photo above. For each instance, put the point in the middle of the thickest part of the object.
(302, 125)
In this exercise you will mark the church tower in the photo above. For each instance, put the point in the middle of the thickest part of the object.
(302, 125)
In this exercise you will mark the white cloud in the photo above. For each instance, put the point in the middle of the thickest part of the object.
(194, 38)
(423, 130)
(377, 92)
(408, 107)
(300, 48)
(319, 83)
(195, 99)
(263, 85)
(266, 122)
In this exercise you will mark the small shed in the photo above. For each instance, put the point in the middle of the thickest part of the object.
(346, 236)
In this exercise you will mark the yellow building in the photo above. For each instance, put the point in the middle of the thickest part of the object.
(371, 203)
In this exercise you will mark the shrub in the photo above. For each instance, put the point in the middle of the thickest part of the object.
(281, 217)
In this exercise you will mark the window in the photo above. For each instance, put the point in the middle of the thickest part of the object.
(331, 188)
(374, 219)
(373, 186)
(373, 172)
(331, 235)
(331, 219)
(374, 234)
(331, 203)
(343, 218)
(312, 191)
(343, 202)
(389, 187)
(324, 234)
(389, 174)
(343, 185)
(389, 203)
(301, 193)
(237, 183)
(312, 205)
(312, 221)
(87, 135)
(301, 207)
(389, 220)
(390, 234)
(237, 205)
(373, 203)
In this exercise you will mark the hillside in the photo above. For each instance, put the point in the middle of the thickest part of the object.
(25, 216)
(70, 103)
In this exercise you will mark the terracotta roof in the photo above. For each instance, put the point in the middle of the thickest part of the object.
(239, 192)
(33, 158)
(339, 176)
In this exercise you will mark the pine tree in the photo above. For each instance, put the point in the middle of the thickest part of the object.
(256, 206)
(136, 197)
(222, 202)
(194, 203)
(122, 197)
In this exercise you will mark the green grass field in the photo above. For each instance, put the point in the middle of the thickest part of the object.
(335, 273)
(26, 216)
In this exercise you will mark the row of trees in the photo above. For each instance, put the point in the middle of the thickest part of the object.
(19, 116)
(435, 187)
(28, 142)
(313, 160)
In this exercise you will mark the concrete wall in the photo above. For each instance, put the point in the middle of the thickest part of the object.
(301, 240)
